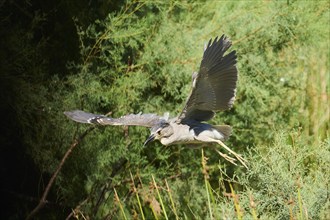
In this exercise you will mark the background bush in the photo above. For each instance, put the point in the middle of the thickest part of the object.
(138, 57)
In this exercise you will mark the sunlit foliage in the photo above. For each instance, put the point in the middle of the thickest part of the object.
(140, 59)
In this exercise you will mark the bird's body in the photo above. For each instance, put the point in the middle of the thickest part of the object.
(213, 89)
(192, 133)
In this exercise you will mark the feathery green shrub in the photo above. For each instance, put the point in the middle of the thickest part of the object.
(140, 59)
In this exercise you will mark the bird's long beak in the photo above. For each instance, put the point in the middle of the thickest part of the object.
(149, 139)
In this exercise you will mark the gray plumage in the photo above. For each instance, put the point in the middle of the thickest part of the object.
(146, 120)
(214, 86)
(213, 89)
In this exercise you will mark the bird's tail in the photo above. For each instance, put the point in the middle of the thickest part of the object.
(223, 129)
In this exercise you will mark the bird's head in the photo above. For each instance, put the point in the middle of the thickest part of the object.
(162, 130)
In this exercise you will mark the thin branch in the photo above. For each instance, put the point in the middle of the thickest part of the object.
(115, 169)
(77, 208)
(43, 200)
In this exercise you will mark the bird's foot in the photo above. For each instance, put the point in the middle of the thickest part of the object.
(228, 158)
(239, 157)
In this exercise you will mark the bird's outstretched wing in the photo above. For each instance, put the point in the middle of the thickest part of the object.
(214, 86)
(146, 120)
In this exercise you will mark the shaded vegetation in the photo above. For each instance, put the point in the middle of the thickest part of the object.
(127, 57)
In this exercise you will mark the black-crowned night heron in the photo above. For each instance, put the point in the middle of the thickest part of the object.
(213, 89)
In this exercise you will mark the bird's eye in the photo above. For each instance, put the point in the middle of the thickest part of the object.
(158, 132)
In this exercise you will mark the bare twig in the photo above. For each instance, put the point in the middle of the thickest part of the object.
(77, 208)
(115, 169)
(43, 200)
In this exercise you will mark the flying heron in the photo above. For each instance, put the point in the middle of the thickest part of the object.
(213, 89)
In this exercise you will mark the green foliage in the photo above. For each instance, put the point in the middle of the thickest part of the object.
(140, 59)
(278, 172)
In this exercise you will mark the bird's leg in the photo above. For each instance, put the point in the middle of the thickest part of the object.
(204, 138)
(228, 158)
(239, 157)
